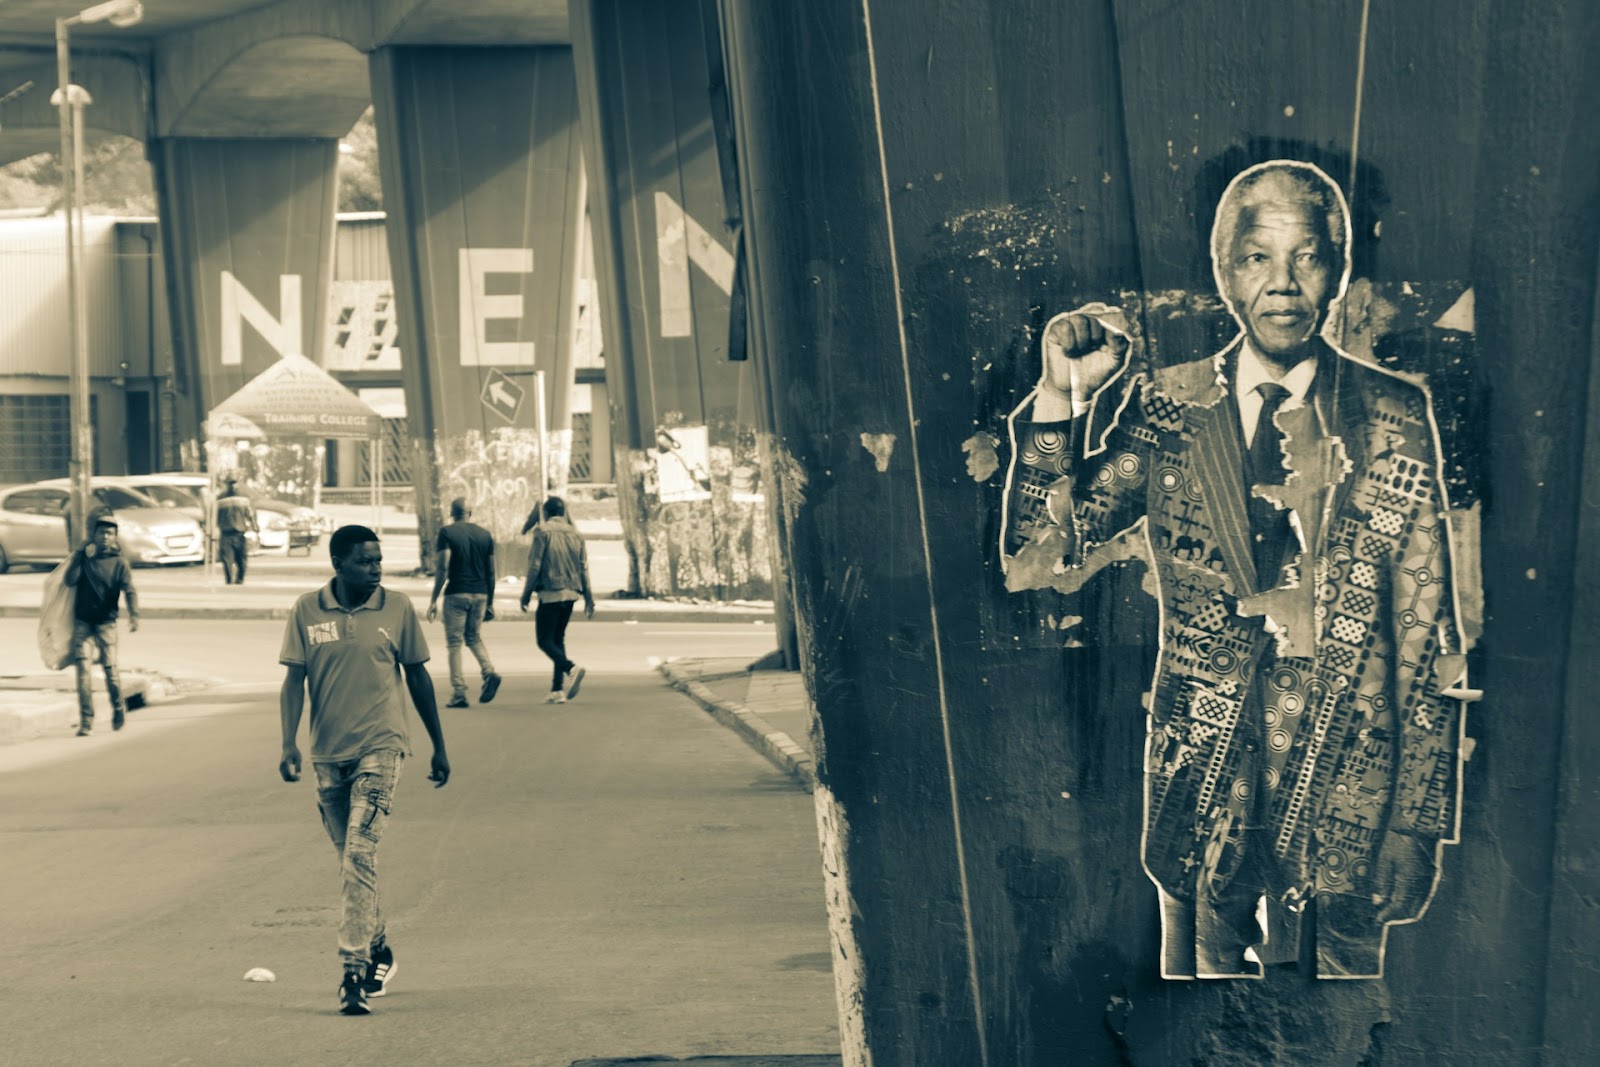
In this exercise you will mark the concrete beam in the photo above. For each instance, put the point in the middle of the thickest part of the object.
(482, 22)
(305, 86)
(272, 72)
(195, 88)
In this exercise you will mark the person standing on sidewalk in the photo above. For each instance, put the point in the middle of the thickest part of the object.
(466, 558)
(235, 517)
(99, 575)
(351, 642)
(558, 570)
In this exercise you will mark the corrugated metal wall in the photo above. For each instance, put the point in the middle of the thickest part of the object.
(361, 248)
(33, 298)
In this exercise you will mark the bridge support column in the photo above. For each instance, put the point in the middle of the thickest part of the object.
(924, 187)
(247, 240)
(689, 468)
(483, 244)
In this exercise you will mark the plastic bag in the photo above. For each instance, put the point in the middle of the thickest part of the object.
(55, 620)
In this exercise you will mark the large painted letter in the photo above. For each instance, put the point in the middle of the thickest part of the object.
(478, 307)
(680, 241)
(239, 305)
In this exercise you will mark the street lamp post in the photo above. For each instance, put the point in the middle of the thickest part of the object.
(71, 99)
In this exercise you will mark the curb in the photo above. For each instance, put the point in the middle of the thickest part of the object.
(35, 713)
(778, 747)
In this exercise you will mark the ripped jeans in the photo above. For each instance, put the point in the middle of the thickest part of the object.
(355, 797)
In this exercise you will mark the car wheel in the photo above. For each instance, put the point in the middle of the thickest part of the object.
(5, 561)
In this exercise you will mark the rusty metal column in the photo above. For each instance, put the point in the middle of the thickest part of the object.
(688, 467)
(247, 242)
(483, 188)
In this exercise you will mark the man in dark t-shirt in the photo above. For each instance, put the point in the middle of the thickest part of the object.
(466, 576)
(236, 518)
(99, 576)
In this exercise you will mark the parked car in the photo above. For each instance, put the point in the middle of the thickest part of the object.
(286, 527)
(188, 493)
(33, 525)
(184, 492)
(32, 529)
(283, 526)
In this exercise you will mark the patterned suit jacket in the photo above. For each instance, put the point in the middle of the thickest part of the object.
(1311, 702)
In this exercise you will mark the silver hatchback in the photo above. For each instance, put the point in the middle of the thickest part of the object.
(33, 527)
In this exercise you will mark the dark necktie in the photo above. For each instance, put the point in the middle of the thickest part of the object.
(1266, 451)
(1269, 527)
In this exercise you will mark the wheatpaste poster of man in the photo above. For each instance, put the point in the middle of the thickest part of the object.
(1305, 720)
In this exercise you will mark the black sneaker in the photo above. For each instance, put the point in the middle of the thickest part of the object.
(379, 971)
(117, 719)
(575, 681)
(353, 995)
(491, 686)
(458, 701)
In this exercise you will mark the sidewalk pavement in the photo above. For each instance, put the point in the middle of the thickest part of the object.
(768, 708)
(38, 703)
(46, 705)
(259, 600)
(270, 591)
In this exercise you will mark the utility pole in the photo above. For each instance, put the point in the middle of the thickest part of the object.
(72, 99)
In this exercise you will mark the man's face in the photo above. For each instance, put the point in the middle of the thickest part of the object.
(105, 537)
(361, 569)
(1280, 277)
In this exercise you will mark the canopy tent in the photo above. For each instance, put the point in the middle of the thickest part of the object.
(296, 398)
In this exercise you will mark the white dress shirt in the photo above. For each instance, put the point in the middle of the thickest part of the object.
(1252, 372)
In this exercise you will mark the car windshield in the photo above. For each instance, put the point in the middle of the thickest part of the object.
(117, 498)
(170, 496)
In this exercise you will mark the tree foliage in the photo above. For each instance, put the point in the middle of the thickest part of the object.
(117, 178)
(359, 188)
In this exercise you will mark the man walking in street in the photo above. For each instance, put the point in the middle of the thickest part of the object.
(466, 559)
(558, 570)
(235, 516)
(99, 575)
(350, 642)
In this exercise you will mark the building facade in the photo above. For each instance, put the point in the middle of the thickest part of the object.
(134, 386)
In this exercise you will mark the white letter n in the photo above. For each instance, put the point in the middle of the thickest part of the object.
(239, 305)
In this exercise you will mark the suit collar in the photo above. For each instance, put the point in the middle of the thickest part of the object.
(1218, 444)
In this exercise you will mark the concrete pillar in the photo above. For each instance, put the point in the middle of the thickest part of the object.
(685, 415)
(247, 242)
(484, 234)
(916, 214)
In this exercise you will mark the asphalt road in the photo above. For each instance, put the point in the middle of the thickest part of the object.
(616, 877)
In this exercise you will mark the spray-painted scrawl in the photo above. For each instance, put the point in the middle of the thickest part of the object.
(1305, 722)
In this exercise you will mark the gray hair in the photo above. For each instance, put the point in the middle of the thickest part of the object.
(1280, 181)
